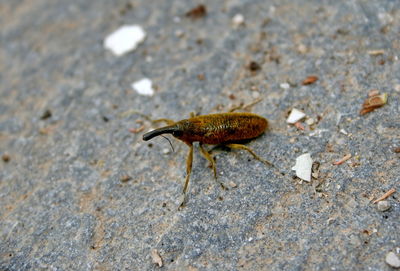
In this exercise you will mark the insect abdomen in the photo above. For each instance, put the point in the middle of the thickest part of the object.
(226, 127)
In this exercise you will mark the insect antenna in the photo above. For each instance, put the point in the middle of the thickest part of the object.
(172, 147)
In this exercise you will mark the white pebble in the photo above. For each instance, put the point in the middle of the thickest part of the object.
(319, 132)
(143, 87)
(383, 205)
(255, 94)
(303, 167)
(385, 18)
(295, 116)
(237, 20)
(125, 39)
(232, 184)
(179, 33)
(302, 48)
(284, 86)
(156, 258)
(392, 260)
(310, 121)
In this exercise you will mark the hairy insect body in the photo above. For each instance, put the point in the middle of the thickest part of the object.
(224, 128)
(221, 128)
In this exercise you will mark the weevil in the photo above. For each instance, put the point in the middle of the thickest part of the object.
(216, 129)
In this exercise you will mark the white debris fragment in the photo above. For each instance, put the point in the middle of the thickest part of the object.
(338, 118)
(343, 131)
(303, 167)
(383, 205)
(392, 260)
(376, 52)
(385, 18)
(156, 258)
(319, 132)
(238, 20)
(255, 94)
(295, 116)
(284, 86)
(310, 121)
(302, 49)
(232, 184)
(143, 87)
(179, 33)
(125, 39)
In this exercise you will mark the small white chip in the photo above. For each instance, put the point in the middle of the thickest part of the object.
(303, 167)
(284, 85)
(144, 87)
(237, 20)
(125, 39)
(392, 260)
(295, 116)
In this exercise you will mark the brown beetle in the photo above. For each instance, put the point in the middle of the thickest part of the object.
(223, 128)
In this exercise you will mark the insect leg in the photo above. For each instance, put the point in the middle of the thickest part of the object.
(189, 162)
(208, 156)
(245, 106)
(243, 147)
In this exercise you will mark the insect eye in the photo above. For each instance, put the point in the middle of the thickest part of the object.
(177, 133)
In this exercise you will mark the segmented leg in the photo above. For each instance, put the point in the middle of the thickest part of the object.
(210, 159)
(243, 147)
(245, 106)
(189, 163)
(207, 155)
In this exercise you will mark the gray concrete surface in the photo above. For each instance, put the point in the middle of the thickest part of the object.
(65, 204)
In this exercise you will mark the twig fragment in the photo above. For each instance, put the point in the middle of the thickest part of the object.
(299, 126)
(344, 159)
(384, 196)
(136, 130)
(310, 80)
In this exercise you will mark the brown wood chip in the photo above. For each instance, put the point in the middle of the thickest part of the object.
(384, 196)
(310, 80)
(344, 159)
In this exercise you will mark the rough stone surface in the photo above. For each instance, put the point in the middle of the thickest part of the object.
(63, 204)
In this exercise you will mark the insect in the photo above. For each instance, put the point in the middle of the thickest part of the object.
(223, 129)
